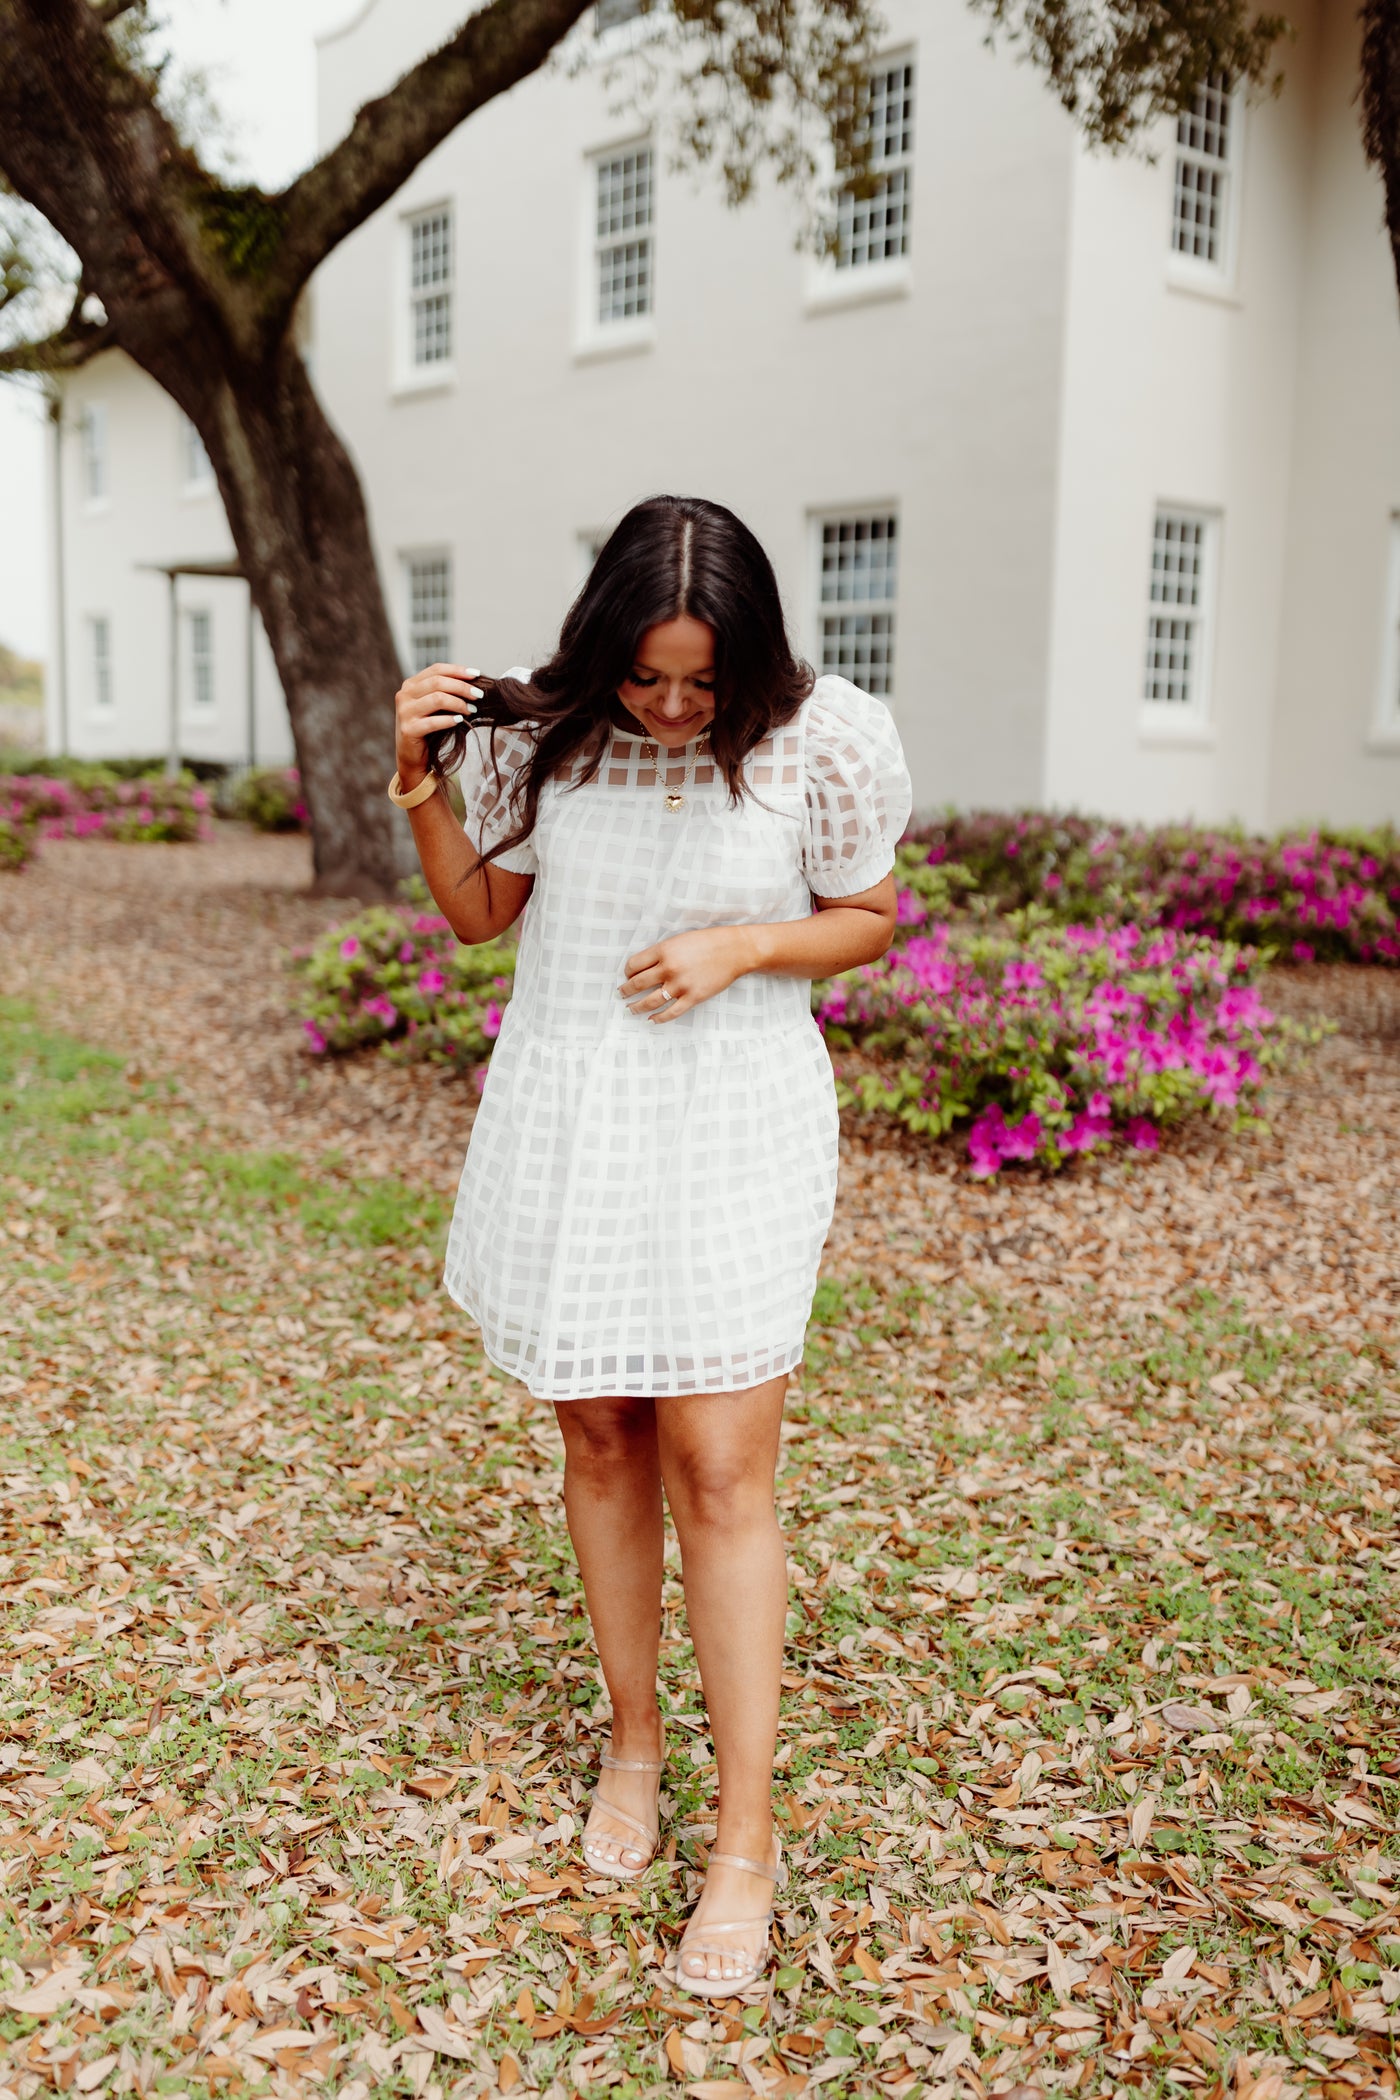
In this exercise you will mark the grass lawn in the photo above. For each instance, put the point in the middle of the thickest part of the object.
(1090, 1761)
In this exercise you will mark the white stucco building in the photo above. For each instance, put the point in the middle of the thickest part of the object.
(1092, 465)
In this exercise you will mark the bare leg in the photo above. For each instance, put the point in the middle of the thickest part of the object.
(612, 1498)
(719, 1453)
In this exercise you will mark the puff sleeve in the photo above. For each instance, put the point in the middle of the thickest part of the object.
(857, 787)
(487, 779)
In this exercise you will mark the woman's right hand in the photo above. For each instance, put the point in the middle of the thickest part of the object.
(434, 699)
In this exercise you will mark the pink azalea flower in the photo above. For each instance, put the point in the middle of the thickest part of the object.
(491, 1022)
(431, 981)
(315, 1040)
(350, 947)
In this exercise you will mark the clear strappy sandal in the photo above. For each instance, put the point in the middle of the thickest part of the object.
(650, 1837)
(709, 1938)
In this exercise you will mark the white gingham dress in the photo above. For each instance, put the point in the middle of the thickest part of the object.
(643, 1206)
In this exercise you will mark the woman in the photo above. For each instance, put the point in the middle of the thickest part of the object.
(694, 829)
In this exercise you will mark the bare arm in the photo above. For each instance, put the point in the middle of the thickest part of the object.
(481, 907)
(690, 967)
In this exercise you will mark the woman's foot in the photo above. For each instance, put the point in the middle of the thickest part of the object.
(726, 1942)
(624, 1822)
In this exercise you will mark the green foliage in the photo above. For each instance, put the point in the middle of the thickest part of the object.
(270, 799)
(1117, 70)
(244, 226)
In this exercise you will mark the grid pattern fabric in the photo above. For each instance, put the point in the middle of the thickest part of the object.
(622, 233)
(201, 659)
(1176, 609)
(430, 286)
(860, 574)
(643, 1206)
(875, 228)
(100, 630)
(429, 610)
(1199, 195)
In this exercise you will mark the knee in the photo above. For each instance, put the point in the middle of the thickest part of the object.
(715, 1493)
(603, 1444)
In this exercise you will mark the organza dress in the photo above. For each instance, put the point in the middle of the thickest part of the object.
(643, 1206)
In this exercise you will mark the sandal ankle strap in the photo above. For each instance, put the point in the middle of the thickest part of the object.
(749, 1866)
(629, 1764)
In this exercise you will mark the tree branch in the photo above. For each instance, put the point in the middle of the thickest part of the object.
(108, 10)
(65, 350)
(390, 136)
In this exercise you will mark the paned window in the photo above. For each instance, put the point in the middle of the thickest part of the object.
(196, 467)
(875, 228)
(856, 591)
(100, 637)
(1201, 189)
(94, 449)
(429, 609)
(201, 659)
(430, 287)
(623, 235)
(1178, 596)
(1388, 698)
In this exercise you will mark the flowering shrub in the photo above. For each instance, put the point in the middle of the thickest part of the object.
(1325, 895)
(395, 975)
(270, 799)
(102, 806)
(16, 838)
(1045, 1041)
(1051, 1040)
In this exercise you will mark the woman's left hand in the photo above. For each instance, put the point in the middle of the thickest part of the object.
(676, 974)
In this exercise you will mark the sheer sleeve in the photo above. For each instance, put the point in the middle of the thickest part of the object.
(488, 778)
(858, 790)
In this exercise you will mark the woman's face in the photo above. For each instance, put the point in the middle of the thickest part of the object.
(671, 690)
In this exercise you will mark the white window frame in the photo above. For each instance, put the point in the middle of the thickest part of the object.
(99, 633)
(95, 456)
(595, 337)
(411, 377)
(196, 467)
(1192, 272)
(1385, 721)
(201, 679)
(877, 511)
(833, 284)
(1190, 720)
(415, 629)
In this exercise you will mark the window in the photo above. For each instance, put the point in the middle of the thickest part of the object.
(430, 288)
(609, 13)
(196, 469)
(201, 632)
(622, 236)
(94, 449)
(1387, 721)
(875, 229)
(429, 609)
(1178, 611)
(856, 590)
(1201, 199)
(100, 640)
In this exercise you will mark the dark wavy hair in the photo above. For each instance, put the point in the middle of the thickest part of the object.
(671, 555)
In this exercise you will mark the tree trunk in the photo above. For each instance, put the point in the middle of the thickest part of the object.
(298, 518)
(1380, 106)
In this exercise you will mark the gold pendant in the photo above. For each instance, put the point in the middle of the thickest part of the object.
(675, 801)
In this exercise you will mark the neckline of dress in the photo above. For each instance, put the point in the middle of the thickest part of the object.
(659, 750)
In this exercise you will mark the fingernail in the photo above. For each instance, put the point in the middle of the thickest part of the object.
(476, 692)
(472, 671)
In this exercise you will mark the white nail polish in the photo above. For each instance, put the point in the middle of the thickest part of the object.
(476, 692)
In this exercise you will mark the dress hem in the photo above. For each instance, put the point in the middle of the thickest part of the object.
(609, 1391)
